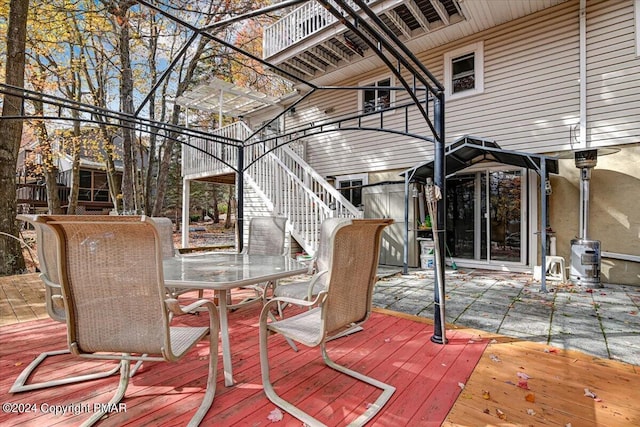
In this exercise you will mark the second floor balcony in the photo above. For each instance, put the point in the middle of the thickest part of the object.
(310, 39)
(310, 42)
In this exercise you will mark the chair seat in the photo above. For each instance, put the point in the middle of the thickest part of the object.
(183, 338)
(304, 327)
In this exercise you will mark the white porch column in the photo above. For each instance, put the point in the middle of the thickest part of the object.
(186, 188)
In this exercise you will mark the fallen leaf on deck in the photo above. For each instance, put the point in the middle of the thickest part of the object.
(461, 385)
(551, 350)
(530, 397)
(487, 411)
(486, 395)
(523, 384)
(493, 341)
(275, 416)
(494, 358)
(531, 412)
(523, 375)
(589, 393)
(387, 340)
(18, 364)
(501, 414)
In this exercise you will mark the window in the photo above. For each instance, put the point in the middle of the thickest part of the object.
(376, 97)
(93, 186)
(463, 71)
(350, 187)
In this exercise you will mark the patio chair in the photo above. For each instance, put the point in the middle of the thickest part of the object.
(48, 260)
(267, 236)
(110, 270)
(307, 289)
(164, 226)
(354, 249)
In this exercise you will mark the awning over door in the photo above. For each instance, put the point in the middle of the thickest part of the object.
(470, 150)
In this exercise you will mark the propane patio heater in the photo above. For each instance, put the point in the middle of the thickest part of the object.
(585, 253)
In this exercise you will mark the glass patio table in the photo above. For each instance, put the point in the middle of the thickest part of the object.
(222, 272)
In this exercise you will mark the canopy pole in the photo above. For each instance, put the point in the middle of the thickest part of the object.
(433, 198)
(405, 244)
(240, 198)
(543, 222)
(439, 177)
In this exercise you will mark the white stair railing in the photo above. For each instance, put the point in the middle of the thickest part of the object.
(296, 191)
(281, 178)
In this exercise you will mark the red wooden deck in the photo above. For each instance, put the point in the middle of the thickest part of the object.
(393, 349)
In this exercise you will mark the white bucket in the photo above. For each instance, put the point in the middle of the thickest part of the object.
(427, 262)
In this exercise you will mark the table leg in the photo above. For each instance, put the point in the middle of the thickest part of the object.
(224, 335)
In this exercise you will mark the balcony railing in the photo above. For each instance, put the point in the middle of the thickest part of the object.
(301, 23)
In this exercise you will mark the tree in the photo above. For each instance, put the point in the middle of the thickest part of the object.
(11, 260)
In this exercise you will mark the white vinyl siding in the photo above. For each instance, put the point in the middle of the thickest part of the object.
(613, 79)
(531, 97)
(637, 11)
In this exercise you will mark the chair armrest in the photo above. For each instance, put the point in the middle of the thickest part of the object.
(299, 302)
(314, 280)
(177, 310)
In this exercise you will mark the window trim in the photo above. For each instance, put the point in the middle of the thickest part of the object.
(478, 50)
(362, 176)
(375, 81)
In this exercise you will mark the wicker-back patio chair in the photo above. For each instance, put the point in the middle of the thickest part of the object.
(46, 243)
(346, 302)
(318, 268)
(112, 282)
(267, 236)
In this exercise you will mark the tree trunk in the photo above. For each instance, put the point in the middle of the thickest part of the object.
(216, 211)
(126, 105)
(11, 260)
(227, 222)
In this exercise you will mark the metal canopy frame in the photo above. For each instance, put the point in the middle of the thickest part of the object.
(425, 91)
(467, 151)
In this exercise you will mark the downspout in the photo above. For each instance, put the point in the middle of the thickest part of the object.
(583, 73)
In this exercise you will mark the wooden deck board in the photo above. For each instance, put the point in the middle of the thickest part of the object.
(168, 394)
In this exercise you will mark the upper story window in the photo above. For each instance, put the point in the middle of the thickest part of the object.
(377, 96)
(463, 71)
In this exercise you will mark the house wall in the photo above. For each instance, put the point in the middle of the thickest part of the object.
(531, 102)
(614, 217)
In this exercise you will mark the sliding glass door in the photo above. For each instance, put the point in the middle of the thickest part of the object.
(485, 216)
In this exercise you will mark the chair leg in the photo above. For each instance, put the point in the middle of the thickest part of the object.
(20, 386)
(268, 387)
(210, 391)
(125, 367)
(375, 407)
(346, 332)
